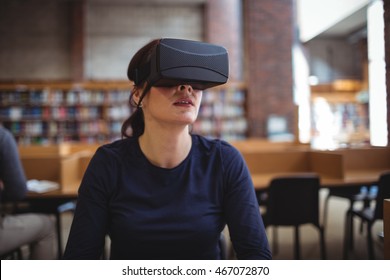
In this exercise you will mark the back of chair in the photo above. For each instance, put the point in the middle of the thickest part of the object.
(383, 193)
(293, 200)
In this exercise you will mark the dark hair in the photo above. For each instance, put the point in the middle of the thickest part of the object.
(136, 119)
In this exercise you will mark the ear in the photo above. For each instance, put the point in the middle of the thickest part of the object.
(136, 91)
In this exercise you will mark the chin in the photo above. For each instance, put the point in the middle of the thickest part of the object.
(186, 121)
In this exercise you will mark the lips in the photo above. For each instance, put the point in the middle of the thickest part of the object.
(183, 102)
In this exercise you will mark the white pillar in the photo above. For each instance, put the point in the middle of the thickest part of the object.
(377, 73)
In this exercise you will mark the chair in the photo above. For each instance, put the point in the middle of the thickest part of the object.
(368, 215)
(294, 201)
(353, 195)
(54, 207)
(262, 200)
(69, 206)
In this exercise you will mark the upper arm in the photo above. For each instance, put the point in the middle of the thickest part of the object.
(11, 169)
(245, 224)
(90, 222)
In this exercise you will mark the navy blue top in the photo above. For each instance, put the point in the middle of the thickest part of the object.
(157, 213)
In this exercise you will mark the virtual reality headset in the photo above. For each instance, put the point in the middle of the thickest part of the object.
(177, 61)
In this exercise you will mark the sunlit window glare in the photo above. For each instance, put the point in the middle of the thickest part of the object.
(377, 74)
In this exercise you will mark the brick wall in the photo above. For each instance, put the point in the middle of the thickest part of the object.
(116, 30)
(76, 40)
(224, 26)
(268, 62)
(34, 40)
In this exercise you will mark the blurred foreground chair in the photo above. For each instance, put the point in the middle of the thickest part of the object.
(294, 201)
(368, 215)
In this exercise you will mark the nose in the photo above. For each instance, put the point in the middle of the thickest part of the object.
(187, 88)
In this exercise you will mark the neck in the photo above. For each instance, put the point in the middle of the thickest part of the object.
(166, 148)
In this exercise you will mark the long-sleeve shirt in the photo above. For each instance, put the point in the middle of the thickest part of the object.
(11, 170)
(157, 213)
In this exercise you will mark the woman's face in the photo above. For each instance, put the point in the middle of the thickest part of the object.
(174, 105)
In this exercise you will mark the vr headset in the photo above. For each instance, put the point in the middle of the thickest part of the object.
(177, 61)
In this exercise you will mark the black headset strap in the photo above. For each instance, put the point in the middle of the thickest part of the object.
(141, 73)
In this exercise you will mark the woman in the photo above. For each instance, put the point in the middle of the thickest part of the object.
(162, 193)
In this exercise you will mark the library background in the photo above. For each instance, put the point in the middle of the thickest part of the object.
(306, 91)
(63, 65)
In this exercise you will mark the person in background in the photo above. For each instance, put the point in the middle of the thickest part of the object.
(162, 192)
(17, 230)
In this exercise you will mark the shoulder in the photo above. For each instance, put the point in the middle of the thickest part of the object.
(5, 135)
(115, 152)
(119, 147)
(8, 144)
(108, 160)
(224, 149)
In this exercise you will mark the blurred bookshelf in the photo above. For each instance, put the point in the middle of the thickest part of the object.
(93, 111)
(340, 116)
(223, 113)
(52, 113)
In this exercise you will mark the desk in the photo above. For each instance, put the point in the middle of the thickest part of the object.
(337, 169)
(60, 193)
(352, 179)
(64, 164)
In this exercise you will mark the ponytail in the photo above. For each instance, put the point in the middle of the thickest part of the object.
(135, 124)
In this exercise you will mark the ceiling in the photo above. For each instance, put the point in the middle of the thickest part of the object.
(356, 22)
(351, 24)
(150, 1)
